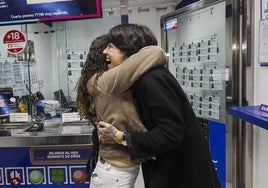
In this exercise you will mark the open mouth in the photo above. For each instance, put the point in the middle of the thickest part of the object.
(108, 59)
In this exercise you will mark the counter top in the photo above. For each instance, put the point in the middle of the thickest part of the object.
(54, 132)
(251, 114)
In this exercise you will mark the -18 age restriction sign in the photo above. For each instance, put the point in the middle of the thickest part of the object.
(14, 41)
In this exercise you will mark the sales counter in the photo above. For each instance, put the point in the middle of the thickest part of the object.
(50, 155)
(251, 114)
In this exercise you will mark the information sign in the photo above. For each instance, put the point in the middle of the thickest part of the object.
(14, 41)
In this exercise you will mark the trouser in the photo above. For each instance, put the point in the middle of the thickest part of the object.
(106, 175)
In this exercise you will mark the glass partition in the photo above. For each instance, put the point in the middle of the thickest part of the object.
(49, 67)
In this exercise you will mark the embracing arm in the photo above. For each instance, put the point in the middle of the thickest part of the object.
(121, 78)
(163, 116)
(161, 104)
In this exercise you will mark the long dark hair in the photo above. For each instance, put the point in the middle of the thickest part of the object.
(130, 38)
(95, 63)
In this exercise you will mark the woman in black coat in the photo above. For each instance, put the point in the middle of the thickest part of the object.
(179, 153)
(175, 137)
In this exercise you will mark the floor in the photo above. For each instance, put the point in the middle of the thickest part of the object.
(139, 182)
(228, 185)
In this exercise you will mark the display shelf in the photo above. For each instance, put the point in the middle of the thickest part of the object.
(251, 114)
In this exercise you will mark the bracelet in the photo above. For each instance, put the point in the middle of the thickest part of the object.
(124, 142)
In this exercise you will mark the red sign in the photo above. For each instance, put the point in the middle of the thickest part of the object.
(14, 41)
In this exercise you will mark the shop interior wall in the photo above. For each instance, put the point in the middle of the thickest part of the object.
(77, 35)
(42, 52)
(260, 160)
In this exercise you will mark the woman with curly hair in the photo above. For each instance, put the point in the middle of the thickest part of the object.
(95, 64)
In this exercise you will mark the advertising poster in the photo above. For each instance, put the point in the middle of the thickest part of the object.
(44, 166)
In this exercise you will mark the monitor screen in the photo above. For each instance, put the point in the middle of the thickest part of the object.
(5, 101)
(30, 11)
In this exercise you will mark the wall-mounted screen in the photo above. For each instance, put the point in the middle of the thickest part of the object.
(30, 11)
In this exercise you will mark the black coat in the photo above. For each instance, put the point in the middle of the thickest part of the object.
(175, 139)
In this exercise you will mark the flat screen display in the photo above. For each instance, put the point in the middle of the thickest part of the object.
(30, 11)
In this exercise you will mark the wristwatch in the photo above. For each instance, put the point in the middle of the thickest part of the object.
(124, 142)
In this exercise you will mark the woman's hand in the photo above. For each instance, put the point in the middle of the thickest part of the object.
(108, 134)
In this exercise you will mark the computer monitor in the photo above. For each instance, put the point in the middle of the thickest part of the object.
(59, 96)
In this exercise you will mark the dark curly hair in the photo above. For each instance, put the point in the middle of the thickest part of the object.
(95, 63)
